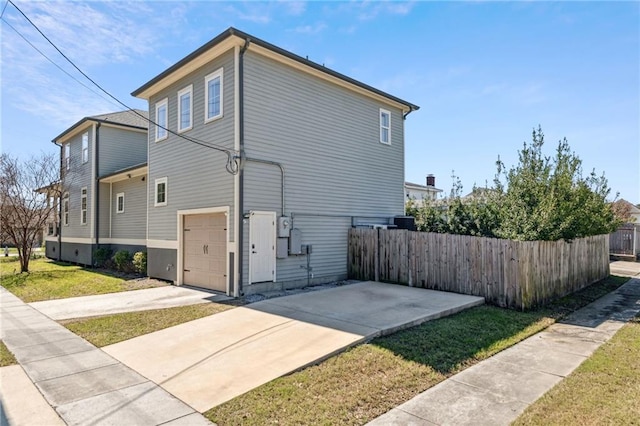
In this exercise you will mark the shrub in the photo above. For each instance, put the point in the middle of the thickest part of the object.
(140, 262)
(101, 256)
(122, 260)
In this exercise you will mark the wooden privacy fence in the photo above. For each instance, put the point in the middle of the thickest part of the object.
(514, 274)
(623, 240)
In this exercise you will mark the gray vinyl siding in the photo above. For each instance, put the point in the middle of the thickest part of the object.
(120, 148)
(132, 224)
(104, 210)
(78, 176)
(196, 175)
(328, 140)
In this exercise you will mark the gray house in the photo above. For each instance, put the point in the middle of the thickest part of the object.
(259, 163)
(103, 178)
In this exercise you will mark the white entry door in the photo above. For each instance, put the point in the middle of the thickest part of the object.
(262, 246)
(205, 251)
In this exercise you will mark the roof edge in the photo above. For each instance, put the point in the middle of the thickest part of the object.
(231, 31)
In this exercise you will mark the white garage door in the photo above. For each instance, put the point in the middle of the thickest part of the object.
(205, 251)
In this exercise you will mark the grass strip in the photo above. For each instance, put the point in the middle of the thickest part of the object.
(366, 381)
(6, 357)
(55, 280)
(109, 329)
(605, 389)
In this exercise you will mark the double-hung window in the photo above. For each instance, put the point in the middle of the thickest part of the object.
(213, 95)
(160, 192)
(85, 147)
(161, 119)
(185, 115)
(65, 209)
(83, 206)
(120, 202)
(385, 126)
(67, 156)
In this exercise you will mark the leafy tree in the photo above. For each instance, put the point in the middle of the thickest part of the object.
(541, 198)
(25, 191)
(546, 198)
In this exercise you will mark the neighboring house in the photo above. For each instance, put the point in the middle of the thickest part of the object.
(103, 180)
(420, 193)
(261, 162)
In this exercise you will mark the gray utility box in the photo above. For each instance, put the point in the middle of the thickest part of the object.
(282, 247)
(295, 242)
(284, 226)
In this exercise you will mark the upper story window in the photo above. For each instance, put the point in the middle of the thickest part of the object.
(385, 126)
(83, 206)
(120, 202)
(67, 156)
(185, 115)
(213, 96)
(65, 209)
(85, 147)
(161, 119)
(160, 192)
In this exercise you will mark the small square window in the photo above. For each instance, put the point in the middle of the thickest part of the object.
(385, 127)
(185, 115)
(161, 120)
(120, 203)
(85, 148)
(213, 95)
(160, 192)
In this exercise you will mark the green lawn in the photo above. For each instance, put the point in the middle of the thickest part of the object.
(48, 280)
(103, 331)
(6, 357)
(368, 380)
(605, 389)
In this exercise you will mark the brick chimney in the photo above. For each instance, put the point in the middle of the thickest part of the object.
(431, 180)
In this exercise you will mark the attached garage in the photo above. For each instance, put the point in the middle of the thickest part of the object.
(204, 250)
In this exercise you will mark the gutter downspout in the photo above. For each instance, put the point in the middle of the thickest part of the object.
(240, 219)
(60, 195)
(97, 194)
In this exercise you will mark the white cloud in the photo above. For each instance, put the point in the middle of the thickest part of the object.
(310, 29)
(93, 35)
(294, 8)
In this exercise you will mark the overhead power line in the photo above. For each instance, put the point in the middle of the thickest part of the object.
(232, 165)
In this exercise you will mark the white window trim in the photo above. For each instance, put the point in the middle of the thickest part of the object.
(83, 211)
(165, 103)
(118, 196)
(189, 90)
(67, 155)
(384, 111)
(85, 148)
(218, 73)
(65, 209)
(155, 192)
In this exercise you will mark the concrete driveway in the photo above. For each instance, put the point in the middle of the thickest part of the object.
(126, 301)
(214, 359)
(625, 269)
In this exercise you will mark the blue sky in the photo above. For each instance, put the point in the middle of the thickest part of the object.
(484, 73)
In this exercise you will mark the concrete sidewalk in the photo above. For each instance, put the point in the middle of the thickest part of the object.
(127, 301)
(496, 391)
(214, 359)
(82, 383)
